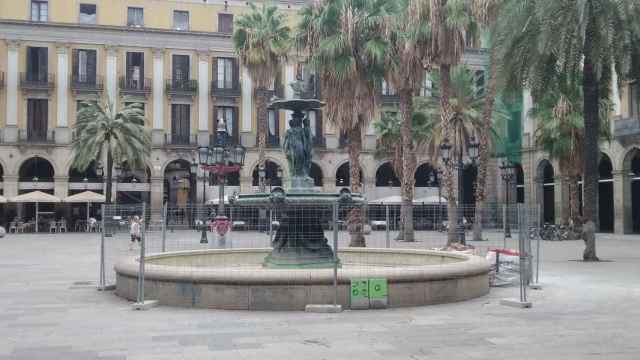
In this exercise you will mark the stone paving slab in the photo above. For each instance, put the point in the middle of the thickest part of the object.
(585, 311)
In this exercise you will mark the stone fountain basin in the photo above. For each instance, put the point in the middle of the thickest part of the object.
(235, 278)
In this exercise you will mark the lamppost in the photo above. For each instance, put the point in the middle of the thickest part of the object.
(508, 174)
(458, 164)
(434, 178)
(220, 159)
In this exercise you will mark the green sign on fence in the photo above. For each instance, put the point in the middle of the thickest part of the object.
(378, 288)
(359, 289)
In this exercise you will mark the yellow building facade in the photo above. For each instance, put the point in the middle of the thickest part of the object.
(176, 58)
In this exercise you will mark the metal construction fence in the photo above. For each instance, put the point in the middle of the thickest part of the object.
(172, 229)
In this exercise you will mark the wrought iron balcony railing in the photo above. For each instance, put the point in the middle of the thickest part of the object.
(37, 81)
(130, 86)
(181, 87)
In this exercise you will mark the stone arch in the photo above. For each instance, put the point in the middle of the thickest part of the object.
(179, 185)
(519, 183)
(385, 175)
(426, 175)
(247, 170)
(317, 175)
(36, 166)
(45, 156)
(271, 173)
(631, 190)
(605, 194)
(343, 176)
(546, 190)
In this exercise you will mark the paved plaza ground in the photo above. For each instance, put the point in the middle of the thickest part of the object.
(50, 309)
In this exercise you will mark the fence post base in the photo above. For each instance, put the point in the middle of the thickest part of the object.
(145, 305)
(516, 303)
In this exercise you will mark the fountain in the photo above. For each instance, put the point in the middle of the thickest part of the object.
(299, 241)
(300, 268)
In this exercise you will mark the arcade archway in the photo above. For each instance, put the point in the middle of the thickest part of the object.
(605, 194)
(546, 176)
(386, 176)
(343, 176)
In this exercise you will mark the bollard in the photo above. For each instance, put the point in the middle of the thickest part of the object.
(388, 239)
(164, 228)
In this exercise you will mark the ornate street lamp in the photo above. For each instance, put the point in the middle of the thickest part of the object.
(220, 159)
(458, 164)
(508, 170)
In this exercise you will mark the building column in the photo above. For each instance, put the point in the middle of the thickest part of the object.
(10, 186)
(157, 192)
(61, 186)
(63, 134)
(619, 201)
(247, 138)
(11, 118)
(111, 78)
(157, 134)
(560, 199)
(203, 98)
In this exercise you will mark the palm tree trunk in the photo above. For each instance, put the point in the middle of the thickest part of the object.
(355, 220)
(574, 205)
(485, 139)
(408, 164)
(590, 89)
(261, 105)
(109, 173)
(447, 171)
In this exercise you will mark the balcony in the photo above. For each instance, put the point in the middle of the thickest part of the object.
(83, 84)
(37, 81)
(180, 140)
(36, 136)
(273, 141)
(177, 87)
(234, 91)
(135, 87)
(213, 140)
(626, 129)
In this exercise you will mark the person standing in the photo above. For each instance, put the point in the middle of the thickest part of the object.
(135, 231)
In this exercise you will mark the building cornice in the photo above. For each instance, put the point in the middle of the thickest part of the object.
(14, 30)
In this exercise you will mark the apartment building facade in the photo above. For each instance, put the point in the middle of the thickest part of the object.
(176, 58)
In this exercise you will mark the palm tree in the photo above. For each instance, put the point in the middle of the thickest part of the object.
(576, 40)
(345, 42)
(465, 122)
(450, 24)
(121, 134)
(408, 33)
(262, 41)
(486, 14)
(560, 133)
(388, 129)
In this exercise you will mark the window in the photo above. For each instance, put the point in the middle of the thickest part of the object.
(427, 86)
(84, 66)
(180, 123)
(387, 89)
(135, 16)
(225, 73)
(135, 70)
(37, 64)
(181, 20)
(228, 115)
(39, 10)
(180, 67)
(37, 119)
(225, 23)
(87, 14)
